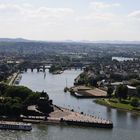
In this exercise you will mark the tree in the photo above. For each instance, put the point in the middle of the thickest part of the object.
(32, 99)
(44, 94)
(134, 82)
(18, 91)
(54, 68)
(92, 81)
(138, 90)
(109, 91)
(3, 88)
(121, 92)
(10, 107)
(135, 102)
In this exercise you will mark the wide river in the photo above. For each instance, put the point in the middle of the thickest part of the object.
(126, 124)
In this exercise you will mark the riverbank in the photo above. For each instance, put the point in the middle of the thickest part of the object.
(13, 78)
(118, 105)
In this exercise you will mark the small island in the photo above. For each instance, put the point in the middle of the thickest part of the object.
(56, 69)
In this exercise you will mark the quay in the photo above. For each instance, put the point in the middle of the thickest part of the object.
(62, 116)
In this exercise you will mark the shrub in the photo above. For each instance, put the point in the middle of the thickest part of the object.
(135, 102)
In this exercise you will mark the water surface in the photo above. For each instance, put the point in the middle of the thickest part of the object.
(126, 124)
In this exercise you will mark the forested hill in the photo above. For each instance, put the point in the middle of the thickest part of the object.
(100, 49)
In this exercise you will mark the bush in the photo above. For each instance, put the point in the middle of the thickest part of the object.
(18, 91)
(135, 102)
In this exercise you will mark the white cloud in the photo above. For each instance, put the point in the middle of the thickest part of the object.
(27, 11)
(9, 9)
(45, 12)
(98, 17)
(135, 14)
(100, 11)
(36, 22)
(101, 5)
(97, 20)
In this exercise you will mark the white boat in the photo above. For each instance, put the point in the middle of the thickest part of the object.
(15, 126)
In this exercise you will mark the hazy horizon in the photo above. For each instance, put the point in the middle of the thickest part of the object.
(67, 40)
(90, 20)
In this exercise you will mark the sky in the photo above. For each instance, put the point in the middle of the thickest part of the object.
(92, 20)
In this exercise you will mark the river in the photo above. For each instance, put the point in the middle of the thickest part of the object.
(126, 124)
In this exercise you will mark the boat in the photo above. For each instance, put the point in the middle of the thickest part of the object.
(66, 89)
(8, 125)
(58, 72)
(17, 81)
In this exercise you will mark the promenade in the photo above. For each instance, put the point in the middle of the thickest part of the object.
(69, 117)
(66, 115)
(14, 76)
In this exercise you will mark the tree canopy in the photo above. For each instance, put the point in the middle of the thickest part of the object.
(14, 99)
(121, 92)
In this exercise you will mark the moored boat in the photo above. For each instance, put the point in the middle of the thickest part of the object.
(15, 126)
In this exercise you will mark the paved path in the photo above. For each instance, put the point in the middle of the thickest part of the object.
(13, 78)
(69, 115)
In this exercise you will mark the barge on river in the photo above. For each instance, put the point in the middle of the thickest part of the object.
(15, 126)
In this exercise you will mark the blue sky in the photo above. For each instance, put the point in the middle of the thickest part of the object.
(70, 19)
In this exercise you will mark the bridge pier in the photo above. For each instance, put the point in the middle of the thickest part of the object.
(44, 69)
(38, 69)
(32, 69)
(25, 69)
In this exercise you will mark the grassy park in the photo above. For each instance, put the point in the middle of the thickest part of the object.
(115, 103)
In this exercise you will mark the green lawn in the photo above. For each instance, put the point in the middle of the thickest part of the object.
(124, 104)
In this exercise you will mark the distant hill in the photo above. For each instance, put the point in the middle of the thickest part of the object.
(14, 40)
(119, 42)
(108, 41)
(70, 41)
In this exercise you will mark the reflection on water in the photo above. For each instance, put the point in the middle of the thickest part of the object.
(126, 125)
